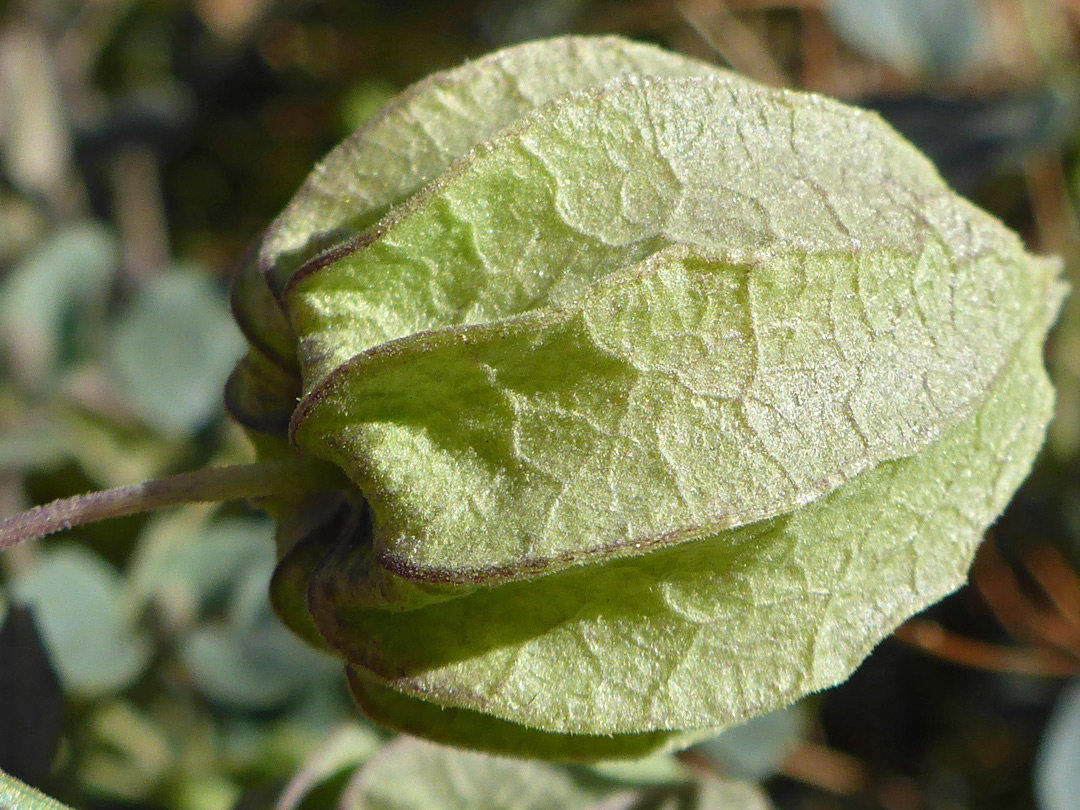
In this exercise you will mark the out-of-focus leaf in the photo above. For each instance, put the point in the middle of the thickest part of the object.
(363, 100)
(86, 620)
(259, 797)
(657, 769)
(14, 795)
(31, 700)
(34, 137)
(40, 295)
(205, 791)
(754, 750)
(971, 139)
(129, 757)
(21, 225)
(111, 454)
(505, 23)
(922, 37)
(181, 551)
(715, 794)
(347, 747)
(410, 774)
(229, 674)
(173, 350)
(40, 446)
(252, 662)
(1057, 772)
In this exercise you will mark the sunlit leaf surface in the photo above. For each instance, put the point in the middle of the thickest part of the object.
(666, 396)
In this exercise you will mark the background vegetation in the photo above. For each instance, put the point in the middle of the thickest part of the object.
(143, 146)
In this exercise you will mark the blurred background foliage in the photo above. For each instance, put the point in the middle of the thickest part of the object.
(144, 144)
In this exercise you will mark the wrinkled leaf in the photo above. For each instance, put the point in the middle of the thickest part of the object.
(664, 403)
(425, 128)
(403, 147)
(707, 633)
(571, 323)
(474, 729)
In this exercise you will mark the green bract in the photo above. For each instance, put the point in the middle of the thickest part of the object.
(665, 395)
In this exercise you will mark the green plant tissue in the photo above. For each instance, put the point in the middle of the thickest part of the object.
(665, 396)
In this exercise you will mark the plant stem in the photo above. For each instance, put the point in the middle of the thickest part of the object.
(257, 480)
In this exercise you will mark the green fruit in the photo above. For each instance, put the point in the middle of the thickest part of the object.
(665, 396)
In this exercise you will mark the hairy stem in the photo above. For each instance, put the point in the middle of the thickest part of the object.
(258, 480)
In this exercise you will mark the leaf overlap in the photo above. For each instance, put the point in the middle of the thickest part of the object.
(666, 396)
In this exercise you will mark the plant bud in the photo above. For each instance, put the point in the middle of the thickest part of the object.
(666, 396)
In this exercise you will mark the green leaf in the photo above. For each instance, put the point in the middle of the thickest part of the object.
(86, 620)
(261, 395)
(38, 298)
(715, 794)
(756, 749)
(665, 400)
(409, 774)
(18, 796)
(346, 747)
(409, 143)
(424, 129)
(471, 729)
(173, 349)
(708, 633)
(251, 662)
(522, 354)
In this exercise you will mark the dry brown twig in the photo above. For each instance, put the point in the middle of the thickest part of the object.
(1048, 623)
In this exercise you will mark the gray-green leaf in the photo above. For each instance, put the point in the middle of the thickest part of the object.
(87, 620)
(173, 349)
